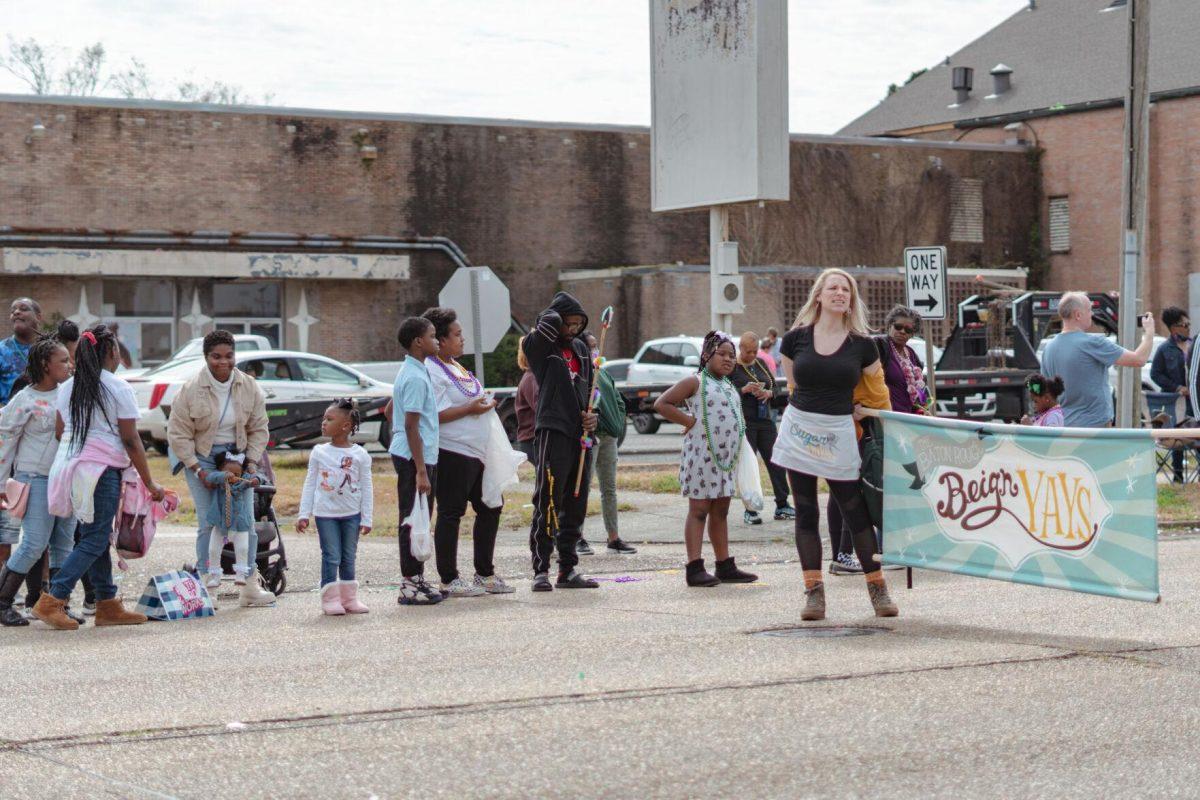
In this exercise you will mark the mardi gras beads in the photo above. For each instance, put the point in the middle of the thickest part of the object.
(726, 389)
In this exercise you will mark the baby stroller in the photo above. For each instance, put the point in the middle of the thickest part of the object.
(271, 557)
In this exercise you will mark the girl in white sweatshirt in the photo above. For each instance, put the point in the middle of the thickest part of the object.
(337, 492)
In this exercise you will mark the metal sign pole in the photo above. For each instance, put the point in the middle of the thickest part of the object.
(931, 380)
(718, 231)
(477, 328)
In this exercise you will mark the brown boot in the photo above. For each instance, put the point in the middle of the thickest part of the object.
(49, 609)
(814, 596)
(880, 599)
(112, 612)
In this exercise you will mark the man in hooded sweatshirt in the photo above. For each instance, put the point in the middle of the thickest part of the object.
(562, 366)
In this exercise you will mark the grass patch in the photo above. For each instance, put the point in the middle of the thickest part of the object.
(1178, 502)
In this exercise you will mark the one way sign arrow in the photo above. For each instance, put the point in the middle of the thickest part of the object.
(925, 281)
(929, 303)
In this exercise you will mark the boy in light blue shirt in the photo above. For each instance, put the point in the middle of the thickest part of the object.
(414, 449)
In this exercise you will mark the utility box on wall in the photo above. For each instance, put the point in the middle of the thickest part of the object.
(719, 105)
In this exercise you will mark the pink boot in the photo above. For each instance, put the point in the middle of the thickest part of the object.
(350, 598)
(331, 600)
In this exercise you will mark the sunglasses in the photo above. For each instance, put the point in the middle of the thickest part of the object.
(896, 326)
(1182, 325)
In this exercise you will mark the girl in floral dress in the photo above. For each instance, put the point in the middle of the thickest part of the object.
(714, 429)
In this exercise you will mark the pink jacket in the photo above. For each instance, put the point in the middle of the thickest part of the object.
(73, 478)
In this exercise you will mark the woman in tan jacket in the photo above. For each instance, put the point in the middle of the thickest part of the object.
(220, 410)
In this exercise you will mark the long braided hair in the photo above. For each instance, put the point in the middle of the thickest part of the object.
(88, 391)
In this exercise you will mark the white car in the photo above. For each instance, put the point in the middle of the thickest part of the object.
(666, 360)
(282, 374)
(242, 342)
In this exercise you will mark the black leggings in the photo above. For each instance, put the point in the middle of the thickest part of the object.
(848, 496)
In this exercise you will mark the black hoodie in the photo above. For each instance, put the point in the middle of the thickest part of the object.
(561, 401)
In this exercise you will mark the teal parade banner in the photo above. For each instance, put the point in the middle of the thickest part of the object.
(1068, 508)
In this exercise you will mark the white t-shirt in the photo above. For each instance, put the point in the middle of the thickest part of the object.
(226, 431)
(117, 401)
(467, 436)
(338, 484)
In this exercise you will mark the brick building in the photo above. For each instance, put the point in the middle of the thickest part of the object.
(1053, 76)
(319, 229)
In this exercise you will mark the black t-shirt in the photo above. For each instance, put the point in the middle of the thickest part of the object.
(825, 384)
(753, 409)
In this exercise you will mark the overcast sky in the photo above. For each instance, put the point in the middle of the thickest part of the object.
(565, 60)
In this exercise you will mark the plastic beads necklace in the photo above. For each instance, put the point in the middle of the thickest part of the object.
(461, 382)
(726, 389)
(754, 378)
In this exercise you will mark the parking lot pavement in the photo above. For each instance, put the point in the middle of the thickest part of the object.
(642, 687)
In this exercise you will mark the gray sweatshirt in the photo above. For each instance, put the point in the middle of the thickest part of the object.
(27, 432)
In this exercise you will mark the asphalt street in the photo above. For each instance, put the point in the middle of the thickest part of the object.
(642, 688)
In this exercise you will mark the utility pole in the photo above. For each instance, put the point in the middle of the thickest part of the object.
(1133, 203)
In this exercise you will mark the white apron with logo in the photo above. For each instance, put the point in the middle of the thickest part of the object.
(824, 445)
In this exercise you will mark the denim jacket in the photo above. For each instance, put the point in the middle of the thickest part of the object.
(1169, 367)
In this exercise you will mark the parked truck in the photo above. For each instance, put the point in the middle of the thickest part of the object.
(996, 345)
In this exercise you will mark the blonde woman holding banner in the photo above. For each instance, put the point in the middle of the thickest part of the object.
(825, 355)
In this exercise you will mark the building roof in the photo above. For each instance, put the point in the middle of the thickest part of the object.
(1064, 54)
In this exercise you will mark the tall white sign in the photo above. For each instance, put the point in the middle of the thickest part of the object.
(719, 105)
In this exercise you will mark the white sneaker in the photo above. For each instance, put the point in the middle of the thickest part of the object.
(212, 579)
(493, 584)
(460, 588)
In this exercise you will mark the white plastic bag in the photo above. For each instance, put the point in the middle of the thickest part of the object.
(499, 464)
(749, 482)
(420, 537)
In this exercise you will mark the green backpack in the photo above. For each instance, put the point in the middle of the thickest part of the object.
(611, 407)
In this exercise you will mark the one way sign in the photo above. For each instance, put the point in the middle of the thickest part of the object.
(925, 281)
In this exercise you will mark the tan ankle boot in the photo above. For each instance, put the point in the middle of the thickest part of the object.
(49, 609)
(814, 596)
(112, 612)
(880, 599)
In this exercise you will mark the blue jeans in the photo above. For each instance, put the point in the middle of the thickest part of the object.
(339, 543)
(202, 499)
(10, 528)
(91, 554)
(41, 529)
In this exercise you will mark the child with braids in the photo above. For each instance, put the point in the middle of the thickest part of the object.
(714, 429)
(97, 416)
(338, 492)
(27, 443)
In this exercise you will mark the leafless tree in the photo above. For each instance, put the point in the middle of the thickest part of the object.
(132, 82)
(31, 63)
(83, 76)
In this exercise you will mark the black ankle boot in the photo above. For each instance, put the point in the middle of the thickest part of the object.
(728, 572)
(33, 581)
(10, 582)
(697, 575)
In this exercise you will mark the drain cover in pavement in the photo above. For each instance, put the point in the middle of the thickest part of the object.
(821, 632)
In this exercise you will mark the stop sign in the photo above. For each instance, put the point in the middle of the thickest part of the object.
(480, 298)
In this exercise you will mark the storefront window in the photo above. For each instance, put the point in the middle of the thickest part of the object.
(247, 299)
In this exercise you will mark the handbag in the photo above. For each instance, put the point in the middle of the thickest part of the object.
(17, 494)
(420, 536)
(175, 595)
